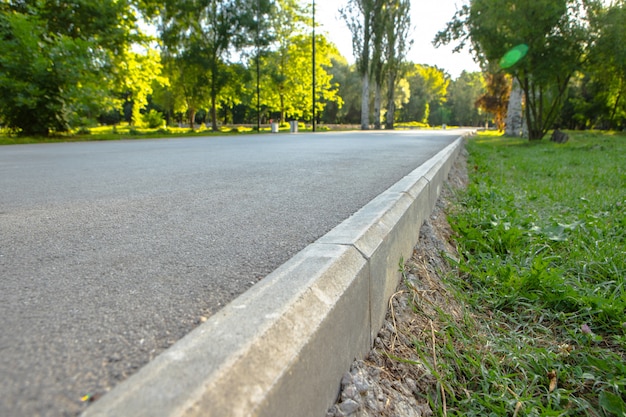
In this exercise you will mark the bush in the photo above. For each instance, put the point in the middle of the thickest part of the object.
(153, 119)
(411, 125)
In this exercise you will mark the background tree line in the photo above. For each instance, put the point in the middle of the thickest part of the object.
(573, 74)
(68, 64)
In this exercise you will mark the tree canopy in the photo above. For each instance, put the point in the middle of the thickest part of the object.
(58, 58)
(73, 63)
(555, 33)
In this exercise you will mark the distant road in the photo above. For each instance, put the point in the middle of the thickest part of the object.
(112, 251)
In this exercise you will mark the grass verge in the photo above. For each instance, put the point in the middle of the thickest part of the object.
(125, 132)
(541, 278)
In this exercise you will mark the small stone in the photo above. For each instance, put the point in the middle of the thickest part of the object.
(347, 379)
(331, 412)
(349, 392)
(349, 407)
(411, 385)
(559, 137)
(115, 357)
(372, 404)
(361, 384)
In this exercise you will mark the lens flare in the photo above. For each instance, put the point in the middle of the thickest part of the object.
(513, 56)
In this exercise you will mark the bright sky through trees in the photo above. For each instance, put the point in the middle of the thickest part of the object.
(427, 17)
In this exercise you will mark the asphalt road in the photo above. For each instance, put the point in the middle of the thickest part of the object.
(112, 251)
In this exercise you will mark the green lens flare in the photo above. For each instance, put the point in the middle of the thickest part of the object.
(513, 56)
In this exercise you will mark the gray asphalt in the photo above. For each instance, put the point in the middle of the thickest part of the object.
(112, 251)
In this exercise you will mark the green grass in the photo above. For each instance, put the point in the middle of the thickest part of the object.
(105, 133)
(541, 233)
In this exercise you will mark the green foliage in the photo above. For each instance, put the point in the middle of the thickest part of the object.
(607, 63)
(32, 77)
(463, 93)
(556, 33)
(138, 73)
(200, 34)
(380, 41)
(61, 67)
(428, 89)
(58, 64)
(410, 125)
(495, 100)
(287, 78)
(153, 119)
(349, 89)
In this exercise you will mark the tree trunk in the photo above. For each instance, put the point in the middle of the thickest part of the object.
(192, 117)
(213, 113)
(282, 107)
(365, 102)
(377, 102)
(391, 102)
(514, 115)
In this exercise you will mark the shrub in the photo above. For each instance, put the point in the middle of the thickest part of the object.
(153, 119)
(412, 125)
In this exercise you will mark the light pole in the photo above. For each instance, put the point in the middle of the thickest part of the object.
(313, 47)
(258, 69)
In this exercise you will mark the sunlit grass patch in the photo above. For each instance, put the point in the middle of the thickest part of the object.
(541, 233)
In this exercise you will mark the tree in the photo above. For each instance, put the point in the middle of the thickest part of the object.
(359, 16)
(208, 30)
(607, 59)
(463, 93)
(188, 82)
(348, 81)
(287, 78)
(586, 105)
(556, 34)
(57, 61)
(287, 22)
(235, 90)
(397, 46)
(379, 37)
(496, 99)
(139, 72)
(428, 86)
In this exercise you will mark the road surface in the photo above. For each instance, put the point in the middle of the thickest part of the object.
(112, 251)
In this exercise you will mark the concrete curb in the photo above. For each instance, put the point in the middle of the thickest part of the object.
(281, 348)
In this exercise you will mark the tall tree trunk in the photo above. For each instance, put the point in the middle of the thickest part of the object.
(514, 115)
(282, 107)
(365, 102)
(377, 102)
(214, 67)
(192, 117)
(391, 101)
(213, 112)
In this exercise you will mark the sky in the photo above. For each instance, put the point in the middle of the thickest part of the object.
(427, 17)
